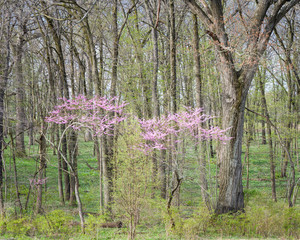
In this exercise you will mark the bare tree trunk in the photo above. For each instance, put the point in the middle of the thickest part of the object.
(80, 209)
(20, 126)
(98, 149)
(64, 91)
(176, 183)
(42, 165)
(173, 56)
(13, 147)
(263, 132)
(2, 92)
(4, 72)
(270, 142)
(109, 140)
(60, 174)
(231, 195)
(55, 133)
(73, 152)
(199, 104)
(247, 162)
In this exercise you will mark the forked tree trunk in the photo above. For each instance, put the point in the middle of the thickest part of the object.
(235, 83)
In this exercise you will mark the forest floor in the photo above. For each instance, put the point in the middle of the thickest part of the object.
(263, 218)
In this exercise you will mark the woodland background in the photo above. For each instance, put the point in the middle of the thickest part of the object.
(158, 56)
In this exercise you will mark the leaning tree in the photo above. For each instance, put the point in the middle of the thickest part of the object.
(240, 36)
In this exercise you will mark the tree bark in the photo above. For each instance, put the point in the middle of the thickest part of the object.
(20, 126)
(73, 152)
(4, 72)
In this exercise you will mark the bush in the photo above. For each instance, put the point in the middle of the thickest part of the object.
(269, 220)
(93, 223)
(53, 223)
(292, 222)
(19, 227)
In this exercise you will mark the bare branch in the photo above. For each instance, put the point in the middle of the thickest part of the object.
(199, 12)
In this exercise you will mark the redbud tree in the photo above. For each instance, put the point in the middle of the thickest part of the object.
(102, 115)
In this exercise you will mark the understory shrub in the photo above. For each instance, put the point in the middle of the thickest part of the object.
(19, 227)
(92, 223)
(269, 220)
(56, 222)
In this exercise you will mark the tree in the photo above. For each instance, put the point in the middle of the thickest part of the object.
(160, 134)
(99, 115)
(238, 65)
(4, 72)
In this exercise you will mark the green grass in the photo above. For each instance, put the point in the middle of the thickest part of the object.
(263, 217)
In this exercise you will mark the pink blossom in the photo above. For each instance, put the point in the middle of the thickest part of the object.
(98, 113)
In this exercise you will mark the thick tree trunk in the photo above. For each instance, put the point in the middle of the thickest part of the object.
(231, 195)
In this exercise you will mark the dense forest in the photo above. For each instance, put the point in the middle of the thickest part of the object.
(149, 119)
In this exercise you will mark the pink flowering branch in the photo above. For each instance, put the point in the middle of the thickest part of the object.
(157, 132)
(36, 182)
(98, 114)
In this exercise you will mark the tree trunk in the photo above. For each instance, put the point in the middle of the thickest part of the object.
(64, 92)
(270, 142)
(231, 195)
(108, 142)
(73, 152)
(42, 165)
(173, 57)
(2, 93)
(199, 104)
(20, 126)
(60, 174)
(236, 83)
(4, 72)
(263, 132)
